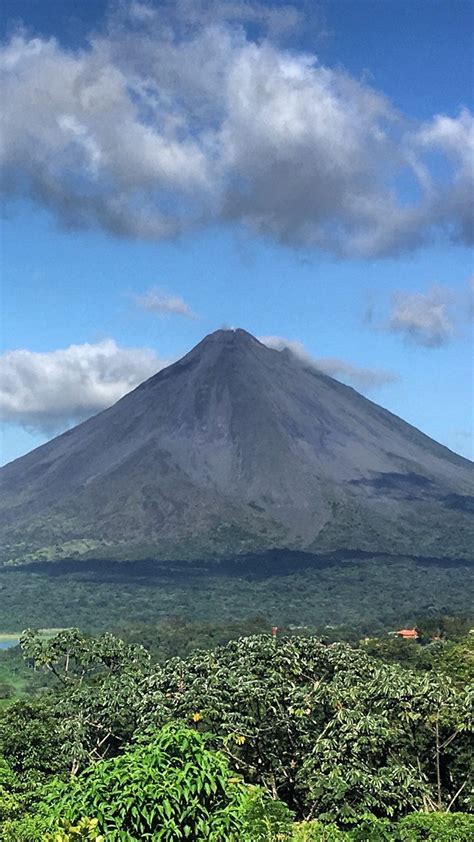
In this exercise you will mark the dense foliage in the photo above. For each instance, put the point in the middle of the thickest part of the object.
(369, 594)
(169, 786)
(262, 738)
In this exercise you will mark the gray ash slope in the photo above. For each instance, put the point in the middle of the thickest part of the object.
(238, 448)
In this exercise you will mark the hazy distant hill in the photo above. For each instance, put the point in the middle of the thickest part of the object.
(236, 448)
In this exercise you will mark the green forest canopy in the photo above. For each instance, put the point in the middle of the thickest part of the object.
(264, 735)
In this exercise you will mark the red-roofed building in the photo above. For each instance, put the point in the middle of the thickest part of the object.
(408, 634)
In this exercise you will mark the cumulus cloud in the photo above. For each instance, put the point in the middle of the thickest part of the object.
(423, 318)
(361, 378)
(49, 391)
(157, 301)
(192, 113)
(452, 199)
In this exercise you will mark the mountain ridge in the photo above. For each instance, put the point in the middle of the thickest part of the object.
(238, 447)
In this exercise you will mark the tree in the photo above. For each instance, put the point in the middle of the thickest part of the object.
(97, 686)
(325, 728)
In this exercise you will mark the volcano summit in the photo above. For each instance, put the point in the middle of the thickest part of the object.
(238, 448)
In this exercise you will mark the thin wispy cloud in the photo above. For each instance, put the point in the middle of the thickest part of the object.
(48, 392)
(424, 318)
(157, 301)
(360, 377)
(221, 126)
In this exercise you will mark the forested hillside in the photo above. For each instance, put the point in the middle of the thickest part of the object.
(300, 589)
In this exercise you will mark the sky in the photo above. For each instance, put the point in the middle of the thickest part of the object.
(304, 171)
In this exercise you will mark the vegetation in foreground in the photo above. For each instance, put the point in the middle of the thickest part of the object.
(263, 738)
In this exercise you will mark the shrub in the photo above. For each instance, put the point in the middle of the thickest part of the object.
(265, 819)
(28, 828)
(9, 800)
(84, 831)
(417, 827)
(437, 827)
(170, 788)
(29, 738)
(7, 691)
(315, 831)
(18, 807)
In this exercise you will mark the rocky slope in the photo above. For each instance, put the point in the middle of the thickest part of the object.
(237, 448)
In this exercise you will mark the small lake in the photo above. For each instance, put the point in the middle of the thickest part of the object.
(8, 644)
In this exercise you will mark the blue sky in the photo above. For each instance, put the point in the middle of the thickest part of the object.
(172, 170)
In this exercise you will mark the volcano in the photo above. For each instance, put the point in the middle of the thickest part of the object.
(233, 449)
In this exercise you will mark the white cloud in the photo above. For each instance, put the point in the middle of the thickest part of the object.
(423, 318)
(176, 118)
(157, 301)
(266, 20)
(451, 201)
(361, 378)
(358, 376)
(49, 391)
